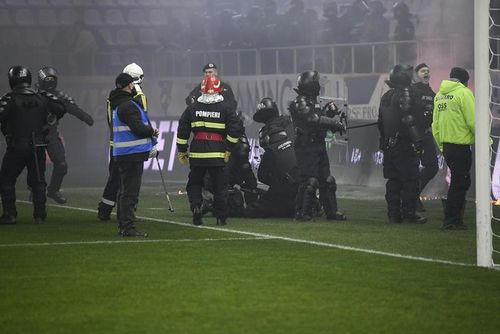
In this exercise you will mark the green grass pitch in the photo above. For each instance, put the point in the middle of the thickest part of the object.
(74, 274)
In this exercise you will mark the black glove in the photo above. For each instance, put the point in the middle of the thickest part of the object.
(417, 147)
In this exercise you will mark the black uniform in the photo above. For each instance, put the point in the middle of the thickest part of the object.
(216, 129)
(47, 81)
(399, 140)
(424, 105)
(24, 116)
(311, 124)
(55, 147)
(278, 169)
(227, 93)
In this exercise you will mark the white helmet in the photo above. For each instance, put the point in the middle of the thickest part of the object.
(135, 71)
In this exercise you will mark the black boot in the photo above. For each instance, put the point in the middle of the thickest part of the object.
(414, 219)
(6, 219)
(56, 196)
(132, 232)
(221, 221)
(104, 211)
(197, 215)
(38, 220)
(305, 200)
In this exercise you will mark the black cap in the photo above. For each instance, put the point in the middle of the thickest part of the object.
(209, 66)
(460, 74)
(419, 66)
(123, 80)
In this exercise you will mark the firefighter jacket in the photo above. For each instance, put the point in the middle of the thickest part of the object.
(454, 115)
(216, 129)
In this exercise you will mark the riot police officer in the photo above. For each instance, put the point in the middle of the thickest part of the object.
(424, 105)
(312, 123)
(400, 141)
(110, 192)
(227, 91)
(47, 81)
(278, 166)
(24, 116)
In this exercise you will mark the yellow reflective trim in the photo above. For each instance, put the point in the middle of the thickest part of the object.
(212, 125)
(207, 155)
(144, 101)
(181, 141)
(232, 139)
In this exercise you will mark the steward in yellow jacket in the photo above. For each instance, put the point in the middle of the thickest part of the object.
(453, 128)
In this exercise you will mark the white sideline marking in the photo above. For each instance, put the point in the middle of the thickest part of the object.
(277, 237)
(100, 242)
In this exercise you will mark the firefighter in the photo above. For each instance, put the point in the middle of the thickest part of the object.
(47, 81)
(25, 116)
(227, 91)
(400, 140)
(312, 123)
(216, 130)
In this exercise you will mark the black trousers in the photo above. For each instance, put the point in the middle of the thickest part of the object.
(219, 178)
(57, 154)
(459, 160)
(401, 171)
(428, 160)
(110, 193)
(13, 163)
(130, 175)
(313, 162)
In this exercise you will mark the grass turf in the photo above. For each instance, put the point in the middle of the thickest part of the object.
(199, 280)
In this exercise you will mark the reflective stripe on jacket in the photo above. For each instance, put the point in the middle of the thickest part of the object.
(125, 141)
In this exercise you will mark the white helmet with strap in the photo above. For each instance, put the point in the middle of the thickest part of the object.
(135, 71)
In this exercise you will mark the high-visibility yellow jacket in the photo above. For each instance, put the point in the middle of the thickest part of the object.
(454, 115)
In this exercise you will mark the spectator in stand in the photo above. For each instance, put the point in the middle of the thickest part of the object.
(252, 28)
(375, 28)
(271, 20)
(404, 31)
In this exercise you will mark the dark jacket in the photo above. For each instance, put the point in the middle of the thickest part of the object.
(220, 127)
(24, 115)
(424, 105)
(130, 115)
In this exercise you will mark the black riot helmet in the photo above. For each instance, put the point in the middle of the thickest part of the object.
(19, 75)
(308, 83)
(47, 78)
(401, 75)
(266, 110)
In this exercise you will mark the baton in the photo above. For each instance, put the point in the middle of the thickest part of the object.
(170, 208)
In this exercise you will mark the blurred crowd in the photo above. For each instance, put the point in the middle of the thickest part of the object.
(211, 27)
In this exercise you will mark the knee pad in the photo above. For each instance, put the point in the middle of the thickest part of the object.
(311, 186)
(62, 167)
(312, 182)
(331, 184)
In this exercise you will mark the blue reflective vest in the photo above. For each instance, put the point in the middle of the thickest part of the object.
(124, 140)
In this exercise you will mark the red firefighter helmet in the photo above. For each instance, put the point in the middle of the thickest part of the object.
(211, 85)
